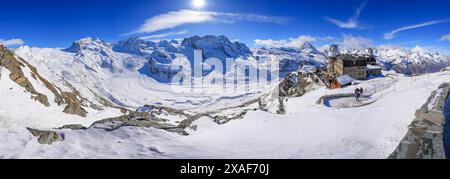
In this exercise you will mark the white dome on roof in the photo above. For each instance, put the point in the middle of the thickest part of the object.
(334, 51)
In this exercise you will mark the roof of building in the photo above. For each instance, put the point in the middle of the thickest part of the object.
(355, 60)
(346, 57)
(373, 67)
(345, 79)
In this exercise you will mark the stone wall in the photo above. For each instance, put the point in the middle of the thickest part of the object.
(424, 139)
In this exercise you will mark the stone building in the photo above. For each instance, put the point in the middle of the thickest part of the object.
(359, 67)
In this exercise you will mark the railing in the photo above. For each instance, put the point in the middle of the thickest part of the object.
(377, 88)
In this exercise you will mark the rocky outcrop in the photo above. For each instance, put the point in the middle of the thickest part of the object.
(73, 127)
(424, 139)
(295, 84)
(15, 65)
(146, 119)
(137, 119)
(298, 83)
(46, 137)
(74, 105)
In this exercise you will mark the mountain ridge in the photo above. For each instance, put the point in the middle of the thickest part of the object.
(97, 54)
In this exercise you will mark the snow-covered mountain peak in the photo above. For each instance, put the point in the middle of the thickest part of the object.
(212, 46)
(138, 46)
(216, 46)
(306, 48)
(90, 44)
(97, 55)
(418, 49)
(309, 48)
(291, 59)
(134, 45)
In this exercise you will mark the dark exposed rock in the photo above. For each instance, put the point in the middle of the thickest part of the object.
(74, 106)
(15, 65)
(298, 83)
(295, 84)
(46, 137)
(136, 119)
(225, 119)
(73, 99)
(281, 106)
(73, 127)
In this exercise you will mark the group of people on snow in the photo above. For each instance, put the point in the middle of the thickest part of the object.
(358, 93)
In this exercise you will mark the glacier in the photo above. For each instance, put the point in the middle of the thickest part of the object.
(117, 79)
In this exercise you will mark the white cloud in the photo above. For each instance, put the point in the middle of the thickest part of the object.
(351, 42)
(327, 38)
(12, 42)
(445, 38)
(176, 18)
(352, 22)
(159, 36)
(291, 42)
(391, 35)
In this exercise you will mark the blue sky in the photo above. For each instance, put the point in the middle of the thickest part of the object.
(354, 23)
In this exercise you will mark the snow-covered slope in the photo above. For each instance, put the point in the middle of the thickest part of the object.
(307, 130)
(87, 66)
(44, 86)
(127, 80)
(162, 54)
(92, 80)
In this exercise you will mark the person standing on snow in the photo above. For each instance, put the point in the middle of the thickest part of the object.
(357, 94)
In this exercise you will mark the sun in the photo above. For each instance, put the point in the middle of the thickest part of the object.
(198, 3)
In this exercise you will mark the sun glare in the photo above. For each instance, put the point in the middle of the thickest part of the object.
(198, 3)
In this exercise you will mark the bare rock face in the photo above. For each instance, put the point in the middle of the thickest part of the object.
(74, 105)
(46, 137)
(73, 127)
(295, 84)
(136, 119)
(73, 99)
(298, 83)
(15, 65)
(424, 139)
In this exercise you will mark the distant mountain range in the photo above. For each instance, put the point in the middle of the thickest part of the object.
(90, 73)
(406, 61)
(93, 80)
